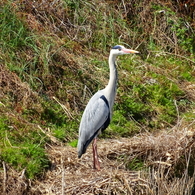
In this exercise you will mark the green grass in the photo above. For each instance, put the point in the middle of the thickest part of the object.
(73, 143)
(22, 147)
(149, 96)
(135, 165)
(13, 33)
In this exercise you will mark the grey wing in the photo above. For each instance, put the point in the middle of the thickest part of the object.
(95, 117)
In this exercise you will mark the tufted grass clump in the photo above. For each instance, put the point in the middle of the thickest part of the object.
(22, 147)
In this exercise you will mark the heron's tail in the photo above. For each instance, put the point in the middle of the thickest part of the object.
(80, 149)
(82, 146)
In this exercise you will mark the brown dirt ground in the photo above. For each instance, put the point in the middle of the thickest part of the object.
(70, 175)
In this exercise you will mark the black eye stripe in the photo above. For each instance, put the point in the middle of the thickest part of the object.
(117, 47)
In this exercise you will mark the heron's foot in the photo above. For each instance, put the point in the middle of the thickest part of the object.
(97, 166)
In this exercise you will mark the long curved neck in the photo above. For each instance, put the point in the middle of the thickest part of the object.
(112, 84)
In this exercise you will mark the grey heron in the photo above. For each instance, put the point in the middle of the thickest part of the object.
(98, 112)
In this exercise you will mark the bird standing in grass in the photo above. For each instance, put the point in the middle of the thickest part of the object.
(98, 112)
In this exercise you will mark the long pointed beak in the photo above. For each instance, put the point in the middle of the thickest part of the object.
(130, 51)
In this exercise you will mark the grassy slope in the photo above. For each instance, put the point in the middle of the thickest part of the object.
(60, 48)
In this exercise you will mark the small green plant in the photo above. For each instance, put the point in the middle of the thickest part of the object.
(73, 143)
(136, 164)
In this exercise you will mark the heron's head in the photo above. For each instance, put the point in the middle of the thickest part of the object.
(120, 50)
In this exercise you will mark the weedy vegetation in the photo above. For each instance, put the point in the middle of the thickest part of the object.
(53, 57)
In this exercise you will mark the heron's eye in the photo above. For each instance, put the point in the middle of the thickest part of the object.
(119, 49)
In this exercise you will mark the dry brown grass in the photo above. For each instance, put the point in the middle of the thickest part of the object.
(152, 18)
(12, 182)
(19, 92)
(168, 159)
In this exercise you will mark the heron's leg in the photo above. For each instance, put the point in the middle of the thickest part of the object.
(96, 163)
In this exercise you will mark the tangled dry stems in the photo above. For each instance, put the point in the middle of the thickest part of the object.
(20, 92)
(161, 154)
(58, 19)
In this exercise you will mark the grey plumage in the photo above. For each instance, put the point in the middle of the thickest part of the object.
(96, 118)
